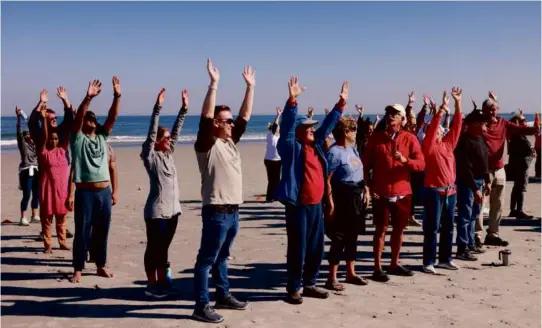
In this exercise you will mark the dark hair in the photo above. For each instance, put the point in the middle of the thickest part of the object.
(50, 111)
(517, 119)
(221, 108)
(160, 133)
(343, 126)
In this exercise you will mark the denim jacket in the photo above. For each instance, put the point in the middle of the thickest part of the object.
(290, 151)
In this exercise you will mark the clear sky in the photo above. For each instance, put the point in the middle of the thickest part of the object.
(385, 50)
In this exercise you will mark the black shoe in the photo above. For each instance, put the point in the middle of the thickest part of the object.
(380, 276)
(207, 314)
(41, 237)
(466, 255)
(476, 250)
(495, 241)
(315, 292)
(231, 303)
(294, 298)
(513, 214)
(400, 270)
(69, 234)
(523, 216)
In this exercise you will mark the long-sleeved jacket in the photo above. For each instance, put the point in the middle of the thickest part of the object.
(26, 149)
(471, 158)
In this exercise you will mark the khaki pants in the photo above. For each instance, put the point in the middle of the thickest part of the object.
(47, 227)
(496, 200)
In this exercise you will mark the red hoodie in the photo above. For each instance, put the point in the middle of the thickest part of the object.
(496, 136)
(439, 155)
(390, 176)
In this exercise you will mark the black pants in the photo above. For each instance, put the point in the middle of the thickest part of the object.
(347, 223)
(416, 183)
(160, 233)
(521, 179)
(537, 163)
(273, 178)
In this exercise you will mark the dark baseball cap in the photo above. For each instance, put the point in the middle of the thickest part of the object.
(476, 116)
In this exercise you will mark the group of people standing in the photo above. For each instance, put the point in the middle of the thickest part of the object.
(326, 177)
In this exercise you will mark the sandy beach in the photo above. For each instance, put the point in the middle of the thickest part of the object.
(36, 292)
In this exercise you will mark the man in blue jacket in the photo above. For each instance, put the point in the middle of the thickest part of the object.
(301, 190)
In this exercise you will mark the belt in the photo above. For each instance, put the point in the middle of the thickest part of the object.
(229, 209)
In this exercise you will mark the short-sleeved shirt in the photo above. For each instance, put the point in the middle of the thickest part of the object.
(89, 157)
(345, 164)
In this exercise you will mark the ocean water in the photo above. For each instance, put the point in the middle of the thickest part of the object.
(132, 130)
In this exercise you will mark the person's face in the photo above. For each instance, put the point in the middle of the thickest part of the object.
(491, 110)
(477, 128)
(522, 121)
(370, 130)
(51, 118)
(350, 134)
(89, 124)
(52, 142)
(223, 124)
(394, 119)
(164, 144)
(305, 134)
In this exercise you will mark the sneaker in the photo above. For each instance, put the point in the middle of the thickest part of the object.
(523, 216)
(24, 221)
(429, 269)
(476, 250)
(155, 292)
(466, 255)
(207, 314)
(294, 298)
(35, 219)
(315, 292)
(400, 270)
(231, 303)
(69, 234)
(380, 276)
(448, 266)
(495, 241)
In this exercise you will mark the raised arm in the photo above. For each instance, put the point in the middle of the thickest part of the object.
(310, 112)
(35, 117)
(19, 131)
(333, 117)
(177, 126)
(209, 103)
(69, 114)
(359, 108)
(420, 119)
(94, 89)
(430, 139)
(114, 110)
(45, 137)
(410, 104)
(275, 123)
(287, 123)
(249, 74)
(513, 128)
(147, 150)
(452, 138)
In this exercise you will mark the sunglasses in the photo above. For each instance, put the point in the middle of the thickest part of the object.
(229, 121)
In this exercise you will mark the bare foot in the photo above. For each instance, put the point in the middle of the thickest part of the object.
(102, 272)
(76, 277)
(48, 250)
(64, 247)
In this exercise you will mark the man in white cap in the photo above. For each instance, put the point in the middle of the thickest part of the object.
(393, 154)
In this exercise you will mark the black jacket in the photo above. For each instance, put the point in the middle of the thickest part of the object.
(520, 153)
(471, 161)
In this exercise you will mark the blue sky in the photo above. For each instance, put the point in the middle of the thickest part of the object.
(385, 49)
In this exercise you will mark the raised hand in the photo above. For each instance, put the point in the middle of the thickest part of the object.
(310, 112)
(456, 93)
(445, 100)
(426, 100)
(344, 91)
(116, 86)
(359, 108)
(411, 98)
(475, 107)
(161, 97)
(326, 111)
(17, 111)
(62, 93)
(44, 96)
(184, 97)
(377, 117)
(94, 88)
(492, 95)
(433, 105)
(279, 111)
(521, 111)
(213, 72)
(294, 89)
(249, 74)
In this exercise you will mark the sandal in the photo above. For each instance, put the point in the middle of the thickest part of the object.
(356, 280)
(334, 286)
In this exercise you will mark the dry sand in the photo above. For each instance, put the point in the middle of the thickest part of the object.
(36, 292)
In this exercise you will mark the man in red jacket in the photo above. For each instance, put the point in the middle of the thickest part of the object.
(495, 137)
(392, 154)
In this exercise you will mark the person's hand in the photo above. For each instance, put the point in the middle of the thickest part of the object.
(344, 91)
(456, 93)
(487, 189)
(432, 106)
(44, 96)
(426, 100)
(521, 111)
(94, 88)
(213, 72)
(294, 89)
(310, 112)
(478, 197)
(475, 107)
(398, 156)
(249, 74)
(116, 86)
(492, 95)
(377, 117)
(62, 93)
(326, 111)
(69, 203)
(366, 197)
(445, 102)
(411, 98)
(184, 98)
(536, 123)
(17, 111)
(359, 108)
(161, 97)
(279, 111)
(114, 198)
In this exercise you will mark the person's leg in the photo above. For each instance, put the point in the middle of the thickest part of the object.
(46, 228)
(268, 170)
(83, 212)
(25, 182)
(275, 178)
(61, 231)
(537, 167)
(465, 198)
(514, 199)
(152, 229)
(220, 267)
(447, 230)
(296, 227)
(315, 244)
(399, 215)
(479, 223)
(381, 217)
(522, 189)
(101, 223)
(214, 231)
(35, 196)
(171, 228)
(496, 201)
(431, 224)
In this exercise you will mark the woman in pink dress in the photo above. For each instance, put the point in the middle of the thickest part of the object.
(53, 186)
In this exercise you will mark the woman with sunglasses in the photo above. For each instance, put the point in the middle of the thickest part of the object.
(162, 209)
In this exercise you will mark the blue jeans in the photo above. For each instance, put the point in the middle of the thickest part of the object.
(217, 235)
(29, 185)
(305, 230)
(438, 208)
(467, 212)
(92, 212)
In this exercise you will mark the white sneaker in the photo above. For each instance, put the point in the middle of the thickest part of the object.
(448, 266)
(35, 219)
(429, 269)
(24, 221)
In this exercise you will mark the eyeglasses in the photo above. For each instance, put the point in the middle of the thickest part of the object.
(229, 121)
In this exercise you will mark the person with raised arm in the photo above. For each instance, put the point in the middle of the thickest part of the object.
(272, 160)
(53, 185)
(301, 190)
(162, 209)
(28, 172)
(392, 154)
(219, 163)
(495, 137)
(440, 190)
(347, 197)
(92, 201)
